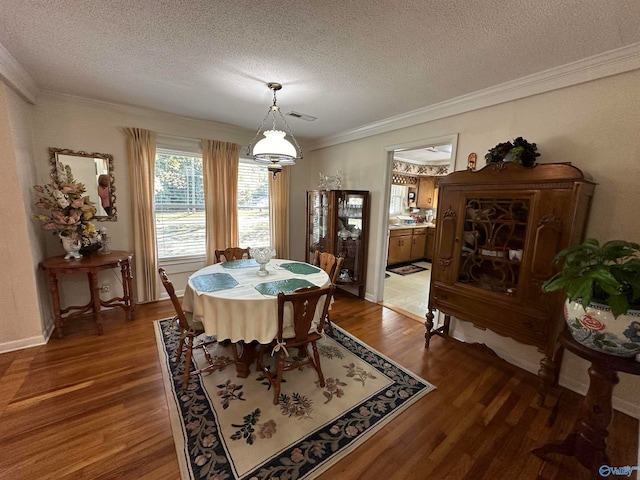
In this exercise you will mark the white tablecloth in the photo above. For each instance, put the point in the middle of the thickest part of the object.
(242, 313)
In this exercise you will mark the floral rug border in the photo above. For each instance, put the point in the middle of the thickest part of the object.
(313, 454)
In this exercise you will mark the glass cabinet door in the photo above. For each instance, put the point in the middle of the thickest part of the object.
(493, 241)
(349, 243)
(319, 223)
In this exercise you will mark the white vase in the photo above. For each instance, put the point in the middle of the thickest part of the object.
(71, 245)
(595, 327)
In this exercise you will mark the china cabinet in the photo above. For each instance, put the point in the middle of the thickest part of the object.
(498, 230)
(338, 223)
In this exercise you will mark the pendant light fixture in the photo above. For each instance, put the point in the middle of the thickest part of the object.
(274, 150)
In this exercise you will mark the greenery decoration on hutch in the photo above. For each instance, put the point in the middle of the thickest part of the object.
(520, 151)
(602, 285)
(69, 213)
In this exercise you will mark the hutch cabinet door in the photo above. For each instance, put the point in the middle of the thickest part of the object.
(492, 241)
(447, 238)
(320, 222)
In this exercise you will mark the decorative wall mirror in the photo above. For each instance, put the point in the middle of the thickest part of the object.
(95, 171)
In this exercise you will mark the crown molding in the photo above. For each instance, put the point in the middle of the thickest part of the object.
(614, 62)
(17, 77)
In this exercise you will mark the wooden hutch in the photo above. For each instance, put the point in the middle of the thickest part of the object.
(498, 231)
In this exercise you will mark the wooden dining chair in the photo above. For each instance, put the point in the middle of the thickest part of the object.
(331, 265)
(302, 333)
(232, 253)
(190, 329)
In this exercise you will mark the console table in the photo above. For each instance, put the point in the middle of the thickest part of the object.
(90, 265)
(587, 442)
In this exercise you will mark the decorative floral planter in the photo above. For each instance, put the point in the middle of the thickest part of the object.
(596, 328)
(71, 245)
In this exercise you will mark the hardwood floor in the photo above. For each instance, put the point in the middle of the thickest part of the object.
(93, 407)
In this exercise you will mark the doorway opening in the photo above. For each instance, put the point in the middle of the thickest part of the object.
(409, 228)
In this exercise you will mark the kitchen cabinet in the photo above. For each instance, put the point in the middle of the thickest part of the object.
(430, 243)
(406, 244)
(418, 242)
(426, 187)
(436, 191)
(485, 215)
(399, 246)
(338, 222)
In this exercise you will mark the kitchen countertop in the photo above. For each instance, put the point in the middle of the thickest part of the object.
(397, 226)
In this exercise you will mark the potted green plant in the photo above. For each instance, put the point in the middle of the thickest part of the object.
(520, 151)
(602, 285)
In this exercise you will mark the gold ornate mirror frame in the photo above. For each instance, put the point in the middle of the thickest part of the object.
(89, 169)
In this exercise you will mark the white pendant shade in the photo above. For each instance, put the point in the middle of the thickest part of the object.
(274, 148)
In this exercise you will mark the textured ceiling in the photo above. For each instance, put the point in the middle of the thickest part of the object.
(349, 63)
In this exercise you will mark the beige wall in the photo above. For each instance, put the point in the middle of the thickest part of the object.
(20, 240)
(595, 126)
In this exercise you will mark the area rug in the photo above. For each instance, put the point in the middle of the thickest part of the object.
(406, 269)
(228, 427)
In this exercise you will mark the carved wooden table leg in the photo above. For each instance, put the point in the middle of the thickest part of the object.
(549, 372)
(127, 286)
(246, 356)
(95, 298)
(55, 298)
(428, 328)
(430, 331)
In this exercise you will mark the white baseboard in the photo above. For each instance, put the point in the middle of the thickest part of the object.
(23, 343)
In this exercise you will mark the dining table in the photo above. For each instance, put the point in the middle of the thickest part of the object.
(237, 304)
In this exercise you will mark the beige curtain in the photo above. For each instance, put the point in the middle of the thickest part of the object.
(220, 172)
(279, 212)
(141, 152)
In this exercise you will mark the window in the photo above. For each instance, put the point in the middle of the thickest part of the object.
(253, 204)
(398, 201)
(179, 204)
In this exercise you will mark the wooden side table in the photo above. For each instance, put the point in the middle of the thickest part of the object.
(587, 442)
(91, 265)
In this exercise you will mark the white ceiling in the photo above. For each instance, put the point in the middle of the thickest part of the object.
(348, 63)
(434, 155)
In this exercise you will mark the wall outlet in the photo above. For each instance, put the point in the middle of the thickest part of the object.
(105, 287)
